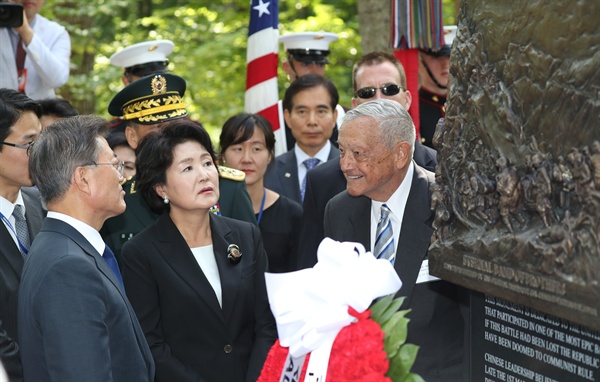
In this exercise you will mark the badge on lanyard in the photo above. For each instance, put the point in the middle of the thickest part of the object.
(22, 80)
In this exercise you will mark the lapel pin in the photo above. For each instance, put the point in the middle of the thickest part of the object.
(287, 175)
(234, 255)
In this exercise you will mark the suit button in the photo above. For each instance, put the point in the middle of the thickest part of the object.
(228, 348)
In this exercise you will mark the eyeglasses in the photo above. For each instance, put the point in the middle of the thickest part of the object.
(119, 165)
(369, 91)
(24, 147)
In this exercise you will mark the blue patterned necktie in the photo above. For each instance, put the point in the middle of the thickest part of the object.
(21, 229)
(109, 256)
(384, 237)
(309, 163)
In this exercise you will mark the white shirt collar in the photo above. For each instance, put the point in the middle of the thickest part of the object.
(322, 155)
(396, 203)
(87, 231)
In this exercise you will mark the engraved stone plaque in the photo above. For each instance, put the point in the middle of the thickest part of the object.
(517, 192)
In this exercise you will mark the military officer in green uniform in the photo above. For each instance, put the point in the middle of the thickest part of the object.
(147, 105)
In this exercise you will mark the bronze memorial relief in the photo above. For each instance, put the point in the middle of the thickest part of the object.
(517, 192)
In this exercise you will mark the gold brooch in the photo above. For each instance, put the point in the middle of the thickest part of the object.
(159, 85)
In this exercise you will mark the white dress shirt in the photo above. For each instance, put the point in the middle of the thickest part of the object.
(396, 203)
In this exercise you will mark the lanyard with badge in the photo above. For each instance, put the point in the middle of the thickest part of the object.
(7, 222)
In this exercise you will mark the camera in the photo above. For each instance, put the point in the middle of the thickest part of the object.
(11, 15)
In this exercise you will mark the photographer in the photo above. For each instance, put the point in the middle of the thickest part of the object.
(34, 56)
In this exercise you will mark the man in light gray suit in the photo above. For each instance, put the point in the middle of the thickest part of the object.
(386, 207)
(19, 127)
(75, 322)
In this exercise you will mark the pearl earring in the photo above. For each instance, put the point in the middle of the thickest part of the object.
(165, 199)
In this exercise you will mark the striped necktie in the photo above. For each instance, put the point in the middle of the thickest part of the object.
(384, 237)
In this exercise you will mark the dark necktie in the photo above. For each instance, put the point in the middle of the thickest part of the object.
(309, 163)
(109, 256)
(384, 237)
(21, 229)
(20, 56)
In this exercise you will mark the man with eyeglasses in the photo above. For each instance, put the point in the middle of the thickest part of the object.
(75, 321)
(376, 75)
(434, 68)
(21, 213)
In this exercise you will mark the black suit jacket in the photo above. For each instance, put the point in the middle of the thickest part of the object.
(11, 265)
(191, 337)
(282, 174)
(323, 183)
(75, 322)
(437, 324)
(234, 202)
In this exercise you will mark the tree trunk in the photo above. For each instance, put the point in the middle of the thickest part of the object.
(374, 19)
(82, 59)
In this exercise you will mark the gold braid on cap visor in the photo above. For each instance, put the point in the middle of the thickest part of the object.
(146, 110)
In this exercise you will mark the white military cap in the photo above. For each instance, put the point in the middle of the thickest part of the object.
(308, 46)
(142, 53)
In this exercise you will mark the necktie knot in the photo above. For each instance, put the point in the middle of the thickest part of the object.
(18, 213)
(385, 212)
(311, 163)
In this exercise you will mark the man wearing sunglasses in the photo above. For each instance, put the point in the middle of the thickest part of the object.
(21, 213)
(434, 68)
(376, 75)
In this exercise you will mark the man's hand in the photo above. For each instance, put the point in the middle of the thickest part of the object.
(25, 30)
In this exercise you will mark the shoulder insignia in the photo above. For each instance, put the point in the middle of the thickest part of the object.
(232, 174)
(132, 189)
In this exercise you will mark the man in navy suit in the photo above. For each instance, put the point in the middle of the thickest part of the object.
(387, 202)
(309, 110)
(376, 75)
(19, 127)
(75, 322)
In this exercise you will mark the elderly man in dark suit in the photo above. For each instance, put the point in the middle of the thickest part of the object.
(75, 322)
(309, 110)
(386, 208)
(21, 213)
(376, 75)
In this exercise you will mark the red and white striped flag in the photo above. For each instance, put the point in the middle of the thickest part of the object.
(262, 61)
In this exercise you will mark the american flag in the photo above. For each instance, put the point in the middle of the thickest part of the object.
(262, 62)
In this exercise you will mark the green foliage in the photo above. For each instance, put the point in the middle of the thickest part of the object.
(394, 324)
(210, 47)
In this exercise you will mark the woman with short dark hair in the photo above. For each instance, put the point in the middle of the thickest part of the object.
(248, 145)
(195, 279)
